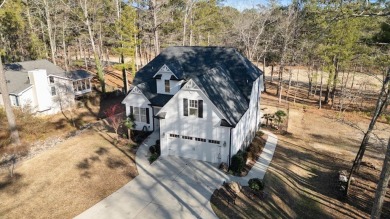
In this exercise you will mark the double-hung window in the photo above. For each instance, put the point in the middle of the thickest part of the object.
(167, 86)
(193, 107)
(140, 114)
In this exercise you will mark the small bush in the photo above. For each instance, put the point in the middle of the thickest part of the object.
(238, 162)
(152, 149)
(153, 157)
(252, 151)
(256, 184)
(158, 149)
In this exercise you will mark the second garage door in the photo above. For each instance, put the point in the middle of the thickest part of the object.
(194, 148)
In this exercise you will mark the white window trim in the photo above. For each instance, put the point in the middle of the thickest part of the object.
(140, 116)
(195, 106)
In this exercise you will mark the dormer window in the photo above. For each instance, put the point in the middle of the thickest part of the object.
(193, 109)
(167, 86)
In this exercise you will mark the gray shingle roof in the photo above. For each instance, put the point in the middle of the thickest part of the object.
(17, 73)
(36, 64)
(78, 74)
(17, 81)
(223, 74)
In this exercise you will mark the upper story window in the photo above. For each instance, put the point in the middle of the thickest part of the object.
(51, 79)
(193, 108)
(167, 86)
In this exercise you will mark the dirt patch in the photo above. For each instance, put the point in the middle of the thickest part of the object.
(66, 180)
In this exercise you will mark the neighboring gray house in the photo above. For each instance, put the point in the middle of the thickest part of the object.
(44, 87)
(203, 100)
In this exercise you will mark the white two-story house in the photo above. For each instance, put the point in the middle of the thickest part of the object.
(43, 87)
(204, 101)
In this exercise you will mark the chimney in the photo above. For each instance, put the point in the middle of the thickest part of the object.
(41, 88)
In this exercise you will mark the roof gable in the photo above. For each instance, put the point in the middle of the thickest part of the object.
(223, 74)
(164, 70)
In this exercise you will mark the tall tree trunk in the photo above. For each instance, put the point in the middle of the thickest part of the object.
(272, 73)
(289, 85)
(98, 63)
(50, 31)
(383, 98)
(64, 48)
(155, 28)
(280, 84)
(265, 86)
(185, 22)
(321, 83)
(381, 189)
(125, 83)
(296, 87)
(335, 79)
(15, 139)
(310, 77)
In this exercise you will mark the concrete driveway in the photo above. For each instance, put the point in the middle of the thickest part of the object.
(171, 187)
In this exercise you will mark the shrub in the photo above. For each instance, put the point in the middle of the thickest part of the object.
(256, 184)
(153, 157)
(158, 149)
(252, 151)
(238, 162)
(260, 133)
(152, 149)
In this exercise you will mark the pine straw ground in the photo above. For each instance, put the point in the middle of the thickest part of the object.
(301, 181)
(65, 180)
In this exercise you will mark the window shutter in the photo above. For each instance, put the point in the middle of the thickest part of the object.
(185, 106)
(200, 109)
(131, 110)
(147, 116)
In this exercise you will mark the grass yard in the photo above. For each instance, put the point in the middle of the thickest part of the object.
(301, 181)
(65, 180)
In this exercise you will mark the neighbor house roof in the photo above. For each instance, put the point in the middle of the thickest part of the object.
(223, 74)
(16, 73)
(17, 81)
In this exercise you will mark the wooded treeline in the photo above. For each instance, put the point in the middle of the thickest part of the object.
(335, 37)
(330, 36)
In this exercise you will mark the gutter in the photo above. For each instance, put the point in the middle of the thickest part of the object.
(230, 147)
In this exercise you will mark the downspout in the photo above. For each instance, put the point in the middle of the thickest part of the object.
(230, 147)
(152, 116)
(258, 95)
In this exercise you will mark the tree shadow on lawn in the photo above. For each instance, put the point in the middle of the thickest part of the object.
(303, 183)
(10, 184)
(321, 183)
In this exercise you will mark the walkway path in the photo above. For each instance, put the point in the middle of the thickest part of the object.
(261, 165)
(171, 187)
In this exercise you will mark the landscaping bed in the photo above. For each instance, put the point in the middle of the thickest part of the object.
(243, 161)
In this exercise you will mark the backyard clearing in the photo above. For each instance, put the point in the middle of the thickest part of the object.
(67, 179)
(301, 181)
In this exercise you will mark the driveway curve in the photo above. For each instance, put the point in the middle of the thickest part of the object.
(172, 187)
